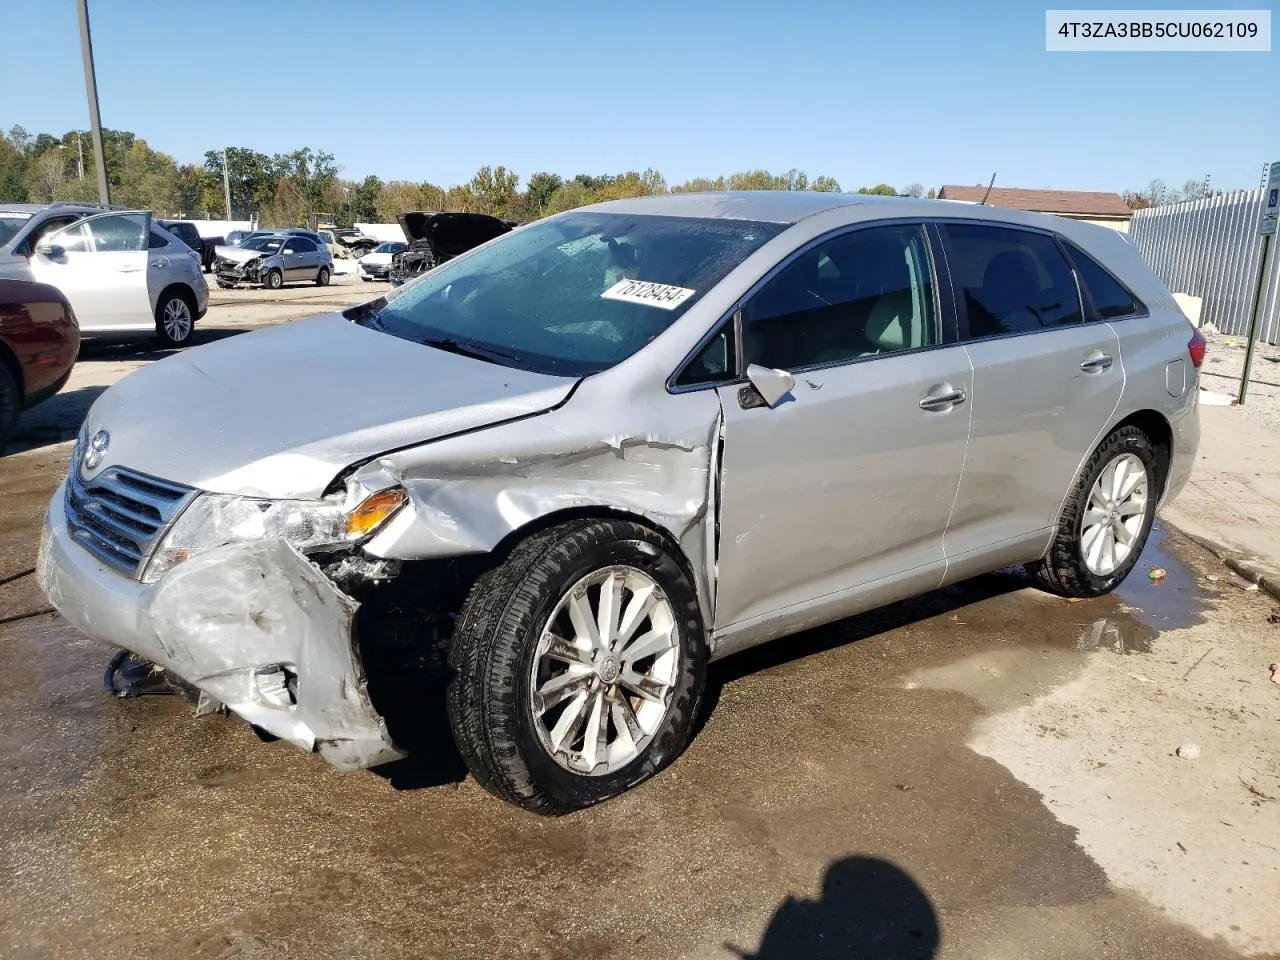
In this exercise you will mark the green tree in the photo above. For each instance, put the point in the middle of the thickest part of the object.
(432, 196)
(825, 184)
(570, 196)
(252, 181)
(880, 189)
(364, 198)
(148, 180)
(700, 185)
(493, 189)
(541, 186)
(397, 197)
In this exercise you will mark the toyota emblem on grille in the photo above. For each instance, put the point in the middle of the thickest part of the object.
(96, 450)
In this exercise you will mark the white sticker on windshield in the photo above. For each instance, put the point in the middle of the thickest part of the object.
(651, 294)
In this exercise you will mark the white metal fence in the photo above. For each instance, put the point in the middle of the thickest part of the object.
(1210, 248)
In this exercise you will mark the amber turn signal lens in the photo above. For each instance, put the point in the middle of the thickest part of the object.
(367, 517)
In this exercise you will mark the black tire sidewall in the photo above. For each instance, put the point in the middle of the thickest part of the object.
(274, 279)
(571, 790)
(1124, 442)
(11, 393)
(322, 278)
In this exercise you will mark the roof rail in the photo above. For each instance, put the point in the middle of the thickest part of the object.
(94, 204)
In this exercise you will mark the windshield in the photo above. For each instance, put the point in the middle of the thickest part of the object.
(388, 247)
(10, 224)
(263, 244)
(574, 295)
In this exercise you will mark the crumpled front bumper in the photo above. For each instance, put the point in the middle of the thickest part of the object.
(226, 621)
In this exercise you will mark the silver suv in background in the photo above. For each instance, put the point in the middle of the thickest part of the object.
(274, 260)
(124, 275)
(571, 466)
(23, 225)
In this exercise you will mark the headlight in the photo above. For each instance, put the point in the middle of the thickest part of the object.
(214, 520)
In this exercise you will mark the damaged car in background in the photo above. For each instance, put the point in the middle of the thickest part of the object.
(434, 238)
(274, 260)
(581, 461)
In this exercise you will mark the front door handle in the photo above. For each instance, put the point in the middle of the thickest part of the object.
(942, 401)
(1097, 364)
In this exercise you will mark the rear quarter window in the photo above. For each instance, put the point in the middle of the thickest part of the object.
(1111, 299)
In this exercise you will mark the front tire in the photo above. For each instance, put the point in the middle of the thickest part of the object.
(550, 711)
(175, 319)
(274, 279)
(1106, 518)
(10, 403)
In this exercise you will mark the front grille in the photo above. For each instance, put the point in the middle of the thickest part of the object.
(121, 514)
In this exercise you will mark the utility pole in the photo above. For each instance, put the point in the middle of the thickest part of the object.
(226, 182)
(91, 88)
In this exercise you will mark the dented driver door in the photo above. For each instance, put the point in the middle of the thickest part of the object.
(836, 498)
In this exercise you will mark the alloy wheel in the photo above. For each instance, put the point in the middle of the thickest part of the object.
(1113, 518)
(604, 670)
(177, 320)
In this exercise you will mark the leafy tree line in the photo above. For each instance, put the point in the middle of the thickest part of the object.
(1157, 194)
(283, 188)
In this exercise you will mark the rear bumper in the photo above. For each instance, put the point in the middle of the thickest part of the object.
(227, 621)
(1186, 441)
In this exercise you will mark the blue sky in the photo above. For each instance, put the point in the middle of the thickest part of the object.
(896, 92)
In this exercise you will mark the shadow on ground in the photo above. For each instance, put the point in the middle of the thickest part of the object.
(869, 908)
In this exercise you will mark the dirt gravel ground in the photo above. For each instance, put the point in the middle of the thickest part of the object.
(985, 772)
(1224, 365)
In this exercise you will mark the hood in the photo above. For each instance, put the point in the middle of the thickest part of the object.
(238, 254)
(375, 258)
(281, 411)
(451, 234)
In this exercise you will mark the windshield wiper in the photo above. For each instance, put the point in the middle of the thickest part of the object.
(473, 350)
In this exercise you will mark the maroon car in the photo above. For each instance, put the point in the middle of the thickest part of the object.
(39, 341)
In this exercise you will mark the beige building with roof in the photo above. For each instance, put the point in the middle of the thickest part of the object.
(1104, 209)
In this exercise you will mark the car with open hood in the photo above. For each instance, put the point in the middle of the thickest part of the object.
(272, 260)
(434, 238)
(540, 487)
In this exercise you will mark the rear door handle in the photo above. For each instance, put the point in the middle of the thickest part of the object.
(1097, 364)
(942, 401)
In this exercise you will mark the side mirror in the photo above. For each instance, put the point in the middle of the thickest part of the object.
(772, 385)
(51, 250)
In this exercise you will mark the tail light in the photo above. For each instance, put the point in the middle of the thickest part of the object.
(1195, 347)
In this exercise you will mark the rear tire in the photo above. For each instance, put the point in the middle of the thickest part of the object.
(1106, 518)
(322, 278)
(10, 403)
(175, 318)
(512, 698)
(274, 280)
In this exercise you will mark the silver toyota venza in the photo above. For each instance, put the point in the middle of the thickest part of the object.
(534, 491)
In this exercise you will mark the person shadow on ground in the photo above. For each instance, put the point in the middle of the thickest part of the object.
(868, 909)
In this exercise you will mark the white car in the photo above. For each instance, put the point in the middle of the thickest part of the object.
(376, 265)
(124, 274)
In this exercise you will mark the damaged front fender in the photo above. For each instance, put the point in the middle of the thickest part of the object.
(470, 493)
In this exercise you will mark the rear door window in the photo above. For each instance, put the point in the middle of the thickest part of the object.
(1111, 300)
(301, 245)
(1010, 281)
